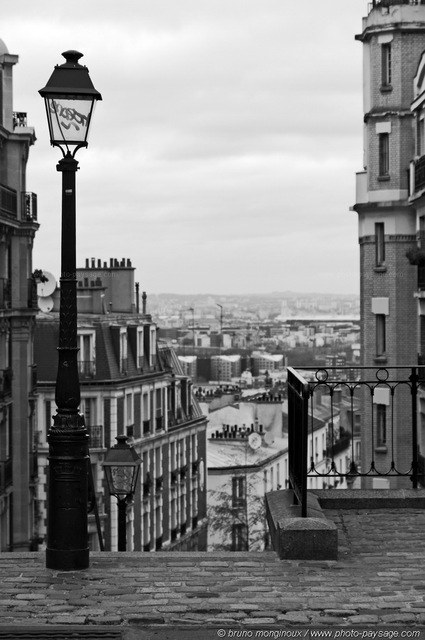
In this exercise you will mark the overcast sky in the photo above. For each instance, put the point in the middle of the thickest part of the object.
(222, 158)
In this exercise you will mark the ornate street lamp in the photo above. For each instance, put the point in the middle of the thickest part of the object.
(69, 98)
(122, 465)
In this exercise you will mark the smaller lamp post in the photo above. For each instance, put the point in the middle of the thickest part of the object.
(122, 465)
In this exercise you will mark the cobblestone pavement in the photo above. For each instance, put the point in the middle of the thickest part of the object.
(379, 578)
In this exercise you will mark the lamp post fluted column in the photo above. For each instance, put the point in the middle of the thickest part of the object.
(67, 520)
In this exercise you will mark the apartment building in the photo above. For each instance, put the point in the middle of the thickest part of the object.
(393, 39)
(18, 225)
(131, 384)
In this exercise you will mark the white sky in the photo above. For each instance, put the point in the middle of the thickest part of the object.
(222, 158)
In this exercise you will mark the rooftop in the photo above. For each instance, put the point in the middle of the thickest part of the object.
(377, 580)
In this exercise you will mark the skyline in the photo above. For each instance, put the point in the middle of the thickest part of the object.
(222, 157)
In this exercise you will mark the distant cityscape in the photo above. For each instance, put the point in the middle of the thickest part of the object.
(230, 338)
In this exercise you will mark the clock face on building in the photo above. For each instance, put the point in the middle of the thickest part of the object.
(201, 474)
(254, 441)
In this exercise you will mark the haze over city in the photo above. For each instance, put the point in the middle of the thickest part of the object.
(222, 158)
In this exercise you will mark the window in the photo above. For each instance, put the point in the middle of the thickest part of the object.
(129, 409)
(86, 354)
(384, 154)
(379, 244)
(420, 136)
(380, 334)
(88, 408)
(140, 346)
(238, 491)
(239, 537)
(123, 351)
(381, 424)
(386, 64)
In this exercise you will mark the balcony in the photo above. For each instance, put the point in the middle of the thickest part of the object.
(5, 382)
(324, 403)
(5, 293)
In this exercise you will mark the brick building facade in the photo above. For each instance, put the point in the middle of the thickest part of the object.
(393, 38)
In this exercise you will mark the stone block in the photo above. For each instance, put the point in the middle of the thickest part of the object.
(297, 538)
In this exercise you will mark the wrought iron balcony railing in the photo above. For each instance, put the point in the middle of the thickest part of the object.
(324, 406)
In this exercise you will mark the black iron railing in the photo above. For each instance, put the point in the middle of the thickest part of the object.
(325, 407)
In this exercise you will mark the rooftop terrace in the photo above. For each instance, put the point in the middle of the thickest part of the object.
(378, 579)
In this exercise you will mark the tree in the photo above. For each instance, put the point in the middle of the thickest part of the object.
(237, 515)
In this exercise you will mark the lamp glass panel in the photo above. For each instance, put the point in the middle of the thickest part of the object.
(122, 479)
(69, 119)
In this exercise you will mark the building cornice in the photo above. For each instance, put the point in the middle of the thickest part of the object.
(371, 239)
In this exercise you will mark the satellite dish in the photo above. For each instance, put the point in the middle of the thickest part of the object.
(254, 440)
(46, 288)
(45, 304)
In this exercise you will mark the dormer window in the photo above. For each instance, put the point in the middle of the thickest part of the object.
(123, 351)
(140, 349)
(86, 356)
(152, 352)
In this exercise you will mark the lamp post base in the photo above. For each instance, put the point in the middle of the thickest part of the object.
(73, 560)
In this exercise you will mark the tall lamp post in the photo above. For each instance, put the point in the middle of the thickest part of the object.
(122, 465)
(69, 98)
